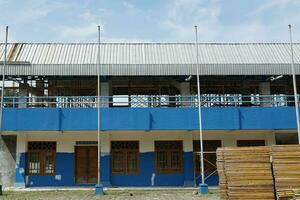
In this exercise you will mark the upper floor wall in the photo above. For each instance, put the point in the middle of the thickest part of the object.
(147, 119)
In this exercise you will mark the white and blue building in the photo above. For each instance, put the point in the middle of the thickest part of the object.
(149, 119)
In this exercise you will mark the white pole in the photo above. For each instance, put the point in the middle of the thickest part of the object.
(98, 109)
(199, 110)
(294, 83)
(3, 80)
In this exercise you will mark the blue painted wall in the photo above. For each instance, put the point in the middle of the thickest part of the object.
(51, 119)
(147, 169)
(65, 168)
(20, 170)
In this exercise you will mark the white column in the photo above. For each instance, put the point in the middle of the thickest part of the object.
(270, 139)
(105, 143)
(185, 90)
(188, 142)
(21, 178)
(228, 140)
(105, 92)
(105, 158)
(23, 92)
(265, 89)
(188, 159)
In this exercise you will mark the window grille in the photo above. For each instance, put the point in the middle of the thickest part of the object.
(169, 156)
(41, 158)
(125, 157)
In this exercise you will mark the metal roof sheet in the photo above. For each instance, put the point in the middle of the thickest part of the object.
(149, 58)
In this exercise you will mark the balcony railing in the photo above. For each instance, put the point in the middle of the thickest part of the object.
(146, 101)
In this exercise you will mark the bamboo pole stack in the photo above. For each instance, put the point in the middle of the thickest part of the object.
(286, 167)
(248, 173)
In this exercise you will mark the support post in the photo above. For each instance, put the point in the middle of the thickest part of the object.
(99, 186)
(203, 188)
(294, 83)
(185, 93)
(264, 90)
(3, 81)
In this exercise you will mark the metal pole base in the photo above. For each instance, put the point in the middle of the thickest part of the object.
(99, 189)
(203, 189)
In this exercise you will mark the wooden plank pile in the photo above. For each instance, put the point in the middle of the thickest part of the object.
(248, 173)
(285, 194)
(286, 167)
(222, 176)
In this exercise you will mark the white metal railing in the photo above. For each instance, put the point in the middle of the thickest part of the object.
(146, 101)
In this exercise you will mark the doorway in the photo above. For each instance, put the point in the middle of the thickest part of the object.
(86, 164)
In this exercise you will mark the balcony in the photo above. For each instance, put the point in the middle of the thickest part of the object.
(149, 101)
(149, 113)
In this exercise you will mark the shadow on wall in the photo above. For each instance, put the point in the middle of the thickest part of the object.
(7, 160)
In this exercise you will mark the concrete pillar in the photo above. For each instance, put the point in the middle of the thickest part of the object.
(7, 161)
(147, 159)
(188, 160)
(246, 92)
(185, 90)
(20, 180)
(270, 139)
(228, 140)
(105, 159)
(105, 91)
(265, 89)
(23, 92)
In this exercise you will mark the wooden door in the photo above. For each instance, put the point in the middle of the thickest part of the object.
(86, 168)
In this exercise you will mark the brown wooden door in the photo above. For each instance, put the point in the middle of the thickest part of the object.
(86, 168)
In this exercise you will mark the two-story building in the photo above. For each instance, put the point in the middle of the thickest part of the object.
(149, 119)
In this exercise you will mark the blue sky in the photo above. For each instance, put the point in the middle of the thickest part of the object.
(150, 20)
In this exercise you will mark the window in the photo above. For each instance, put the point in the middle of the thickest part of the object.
(125, 157)
(169, 156)
(250, 143)
(41, 158)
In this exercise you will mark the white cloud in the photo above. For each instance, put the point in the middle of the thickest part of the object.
(79, 33)
(182, 15)
(266, 23)
(132, 9)
(34, 10)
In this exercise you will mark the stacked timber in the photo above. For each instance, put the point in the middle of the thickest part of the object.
(248, 173)
(286, 167)
(221, 172)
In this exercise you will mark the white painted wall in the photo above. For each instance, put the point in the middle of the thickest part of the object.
(67, 140)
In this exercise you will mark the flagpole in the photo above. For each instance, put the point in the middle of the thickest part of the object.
(3, 79)
(294, 82)
(203, 188)
(99, 186)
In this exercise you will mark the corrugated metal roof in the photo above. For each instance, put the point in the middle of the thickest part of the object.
(149, 58)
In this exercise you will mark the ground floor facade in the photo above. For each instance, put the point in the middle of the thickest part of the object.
(128, 158)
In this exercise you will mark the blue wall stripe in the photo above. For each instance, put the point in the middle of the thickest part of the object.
(146, 176)
(52, 119)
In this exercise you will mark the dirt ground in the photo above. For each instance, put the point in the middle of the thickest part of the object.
(110, 195)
